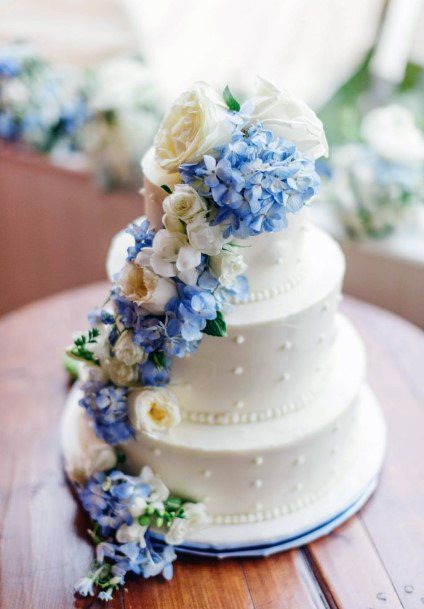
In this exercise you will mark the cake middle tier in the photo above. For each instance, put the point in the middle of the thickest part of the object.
(278, 352)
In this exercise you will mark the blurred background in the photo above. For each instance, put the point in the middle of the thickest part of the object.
(83, 86)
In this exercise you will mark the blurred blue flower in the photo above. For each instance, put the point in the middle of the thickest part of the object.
(106, 404)
(153, 375)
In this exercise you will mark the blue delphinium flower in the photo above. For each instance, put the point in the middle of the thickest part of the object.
(253, 182)
(100, 316)
(107, 498)
(107, 406)
(143, 237)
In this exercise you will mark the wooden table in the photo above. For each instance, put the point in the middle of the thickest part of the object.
(375, 561)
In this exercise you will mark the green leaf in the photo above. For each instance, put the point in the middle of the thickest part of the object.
(159, 359)
(217, 326)
(231, 102)
(166, 188)
(71, 367)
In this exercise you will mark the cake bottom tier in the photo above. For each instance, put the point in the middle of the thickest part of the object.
(263, 471)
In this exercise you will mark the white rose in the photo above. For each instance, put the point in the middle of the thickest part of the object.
(120, 373)
(227, 266)
(145, 288)
(89, 372)
(195, 518)
(288, 117)
(391, 131)
(195, 124)
(154, 410)
(173, 224)
(204, 237)
(127, 351)
(184, 203)
(132, 533)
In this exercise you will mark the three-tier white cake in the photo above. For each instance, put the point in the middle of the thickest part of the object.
(279, 436)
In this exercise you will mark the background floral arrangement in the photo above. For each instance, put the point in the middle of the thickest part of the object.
(103, 118)
(241, 170)
(375, 184)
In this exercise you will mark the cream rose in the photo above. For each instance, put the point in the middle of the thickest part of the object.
(195, 124)
(288, 117)
(227, 266)
(154, 410)
(127, 351)
(183, 203)
(145, 288)
(121, 374)
(204, 237)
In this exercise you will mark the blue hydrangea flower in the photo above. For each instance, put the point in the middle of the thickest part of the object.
(131, 558)
(254, 182)
(107, 406)
(107, 497)
(100, 316)
(143, 237)
(191, 309)
(155, 376)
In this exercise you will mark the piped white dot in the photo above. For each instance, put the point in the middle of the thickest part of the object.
(238, 370)
(321, 338)
(300, 460)
(259, 506)
(286, 346)
(285, 376)
(239, 404)
(258, 483)
(239, 339)
(325, 307)
(207, 473)
(334, 450)
(157, 452)
(258, 460)
(280, 260)
(336, 427)
(298, 487)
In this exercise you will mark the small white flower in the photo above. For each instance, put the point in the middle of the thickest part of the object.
(391, 131)
(137, 507)
(127, 351)
(204, 237)
(84, 586)
(120, 373)
(195, 124)
(145, 288)
(160, 492)
(287, 117)
(184, 203)
(195, 517)
(154, 410)
(187, 261)
(227, 266)
(163, 254)
(132, 533)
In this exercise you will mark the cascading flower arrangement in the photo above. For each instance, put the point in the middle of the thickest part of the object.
(374, 184)
(242, 170)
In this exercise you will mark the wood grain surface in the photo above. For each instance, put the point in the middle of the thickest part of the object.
(374, 561)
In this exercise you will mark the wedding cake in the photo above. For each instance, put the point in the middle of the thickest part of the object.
(220, 367)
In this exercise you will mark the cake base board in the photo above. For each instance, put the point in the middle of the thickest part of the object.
(346, 496)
